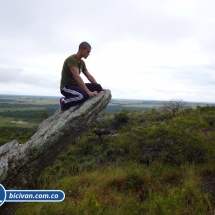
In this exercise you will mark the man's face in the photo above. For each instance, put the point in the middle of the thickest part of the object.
(85, 52)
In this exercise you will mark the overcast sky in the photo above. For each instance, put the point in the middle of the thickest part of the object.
(141, 49)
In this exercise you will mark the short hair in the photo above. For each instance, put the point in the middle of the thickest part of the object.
(84, 45)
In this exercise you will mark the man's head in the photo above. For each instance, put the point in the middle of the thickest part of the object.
(84, 45)
(84, 49)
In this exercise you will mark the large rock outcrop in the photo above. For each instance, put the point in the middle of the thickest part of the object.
(20, 164)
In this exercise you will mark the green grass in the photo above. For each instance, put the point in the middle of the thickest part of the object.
(37, 100)
(22, 109)
(14, 109)
(129, 189)
(9, 121)
(157, 165)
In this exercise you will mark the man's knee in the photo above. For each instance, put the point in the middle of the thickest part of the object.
(94, 87)
(99, 88)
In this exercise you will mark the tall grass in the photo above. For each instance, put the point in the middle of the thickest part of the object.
(156, 166)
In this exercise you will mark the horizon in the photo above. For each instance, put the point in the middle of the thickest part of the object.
(122, 99)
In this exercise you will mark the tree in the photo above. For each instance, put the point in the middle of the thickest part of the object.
(173, 106)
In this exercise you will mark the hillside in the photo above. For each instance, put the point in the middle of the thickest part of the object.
(154, 164)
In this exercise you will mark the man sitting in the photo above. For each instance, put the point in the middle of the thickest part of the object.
(72, 85)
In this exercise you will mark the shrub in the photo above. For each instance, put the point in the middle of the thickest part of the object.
(121, 118)
(210, 120)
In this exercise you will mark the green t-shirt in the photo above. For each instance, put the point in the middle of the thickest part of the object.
(66, 75)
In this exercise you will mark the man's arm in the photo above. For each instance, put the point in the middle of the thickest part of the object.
(80, 81)
(91, 78)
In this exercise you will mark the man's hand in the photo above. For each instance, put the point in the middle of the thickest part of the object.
(92, 94)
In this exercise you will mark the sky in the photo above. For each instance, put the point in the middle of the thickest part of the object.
(141, 49)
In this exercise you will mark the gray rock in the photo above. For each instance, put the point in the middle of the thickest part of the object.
(20, 164)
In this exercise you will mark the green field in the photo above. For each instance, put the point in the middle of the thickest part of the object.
(21, 115)
(16, 109)
(27, 112)
(22, 111)
(158, 164)
(35, 100)
(117, 105)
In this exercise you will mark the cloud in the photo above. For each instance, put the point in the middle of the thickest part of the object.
(19, 75)
(140, 49)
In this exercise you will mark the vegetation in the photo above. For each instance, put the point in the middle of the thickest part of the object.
(157, 165)
(13, 132)
(20, 116)
(173, 106)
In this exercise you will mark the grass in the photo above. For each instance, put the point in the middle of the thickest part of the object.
(23, 109)
(129, 189)
(37, 100)
(9, 121)
(12, 106)
(155, 166)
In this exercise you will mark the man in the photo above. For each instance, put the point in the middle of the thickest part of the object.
(72, 85)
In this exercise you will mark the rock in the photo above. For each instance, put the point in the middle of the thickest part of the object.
(21, 164)
(105, 131)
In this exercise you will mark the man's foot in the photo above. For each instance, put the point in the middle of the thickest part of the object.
(62, 104)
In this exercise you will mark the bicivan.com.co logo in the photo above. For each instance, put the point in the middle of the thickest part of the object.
(30, 195)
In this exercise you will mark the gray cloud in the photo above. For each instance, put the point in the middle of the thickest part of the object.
(19, 75)
(199, 76)
(45, 24)
(34, 31)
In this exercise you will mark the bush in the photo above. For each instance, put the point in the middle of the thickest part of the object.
(121, 118)
(210, 120)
